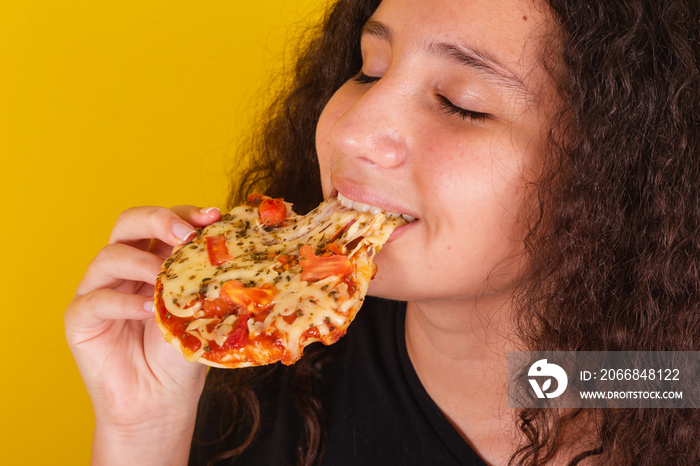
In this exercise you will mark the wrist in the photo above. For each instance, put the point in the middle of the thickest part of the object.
(158, 441)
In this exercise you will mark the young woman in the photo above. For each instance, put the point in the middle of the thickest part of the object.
(549, 151)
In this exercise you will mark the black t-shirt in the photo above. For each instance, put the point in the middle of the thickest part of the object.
(376, 410)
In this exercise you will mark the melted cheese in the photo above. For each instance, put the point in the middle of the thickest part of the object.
(323, 305)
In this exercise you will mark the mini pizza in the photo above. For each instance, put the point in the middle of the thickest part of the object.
(260, 285)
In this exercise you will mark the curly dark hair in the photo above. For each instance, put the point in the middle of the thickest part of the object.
(615, 249)
(615, 259)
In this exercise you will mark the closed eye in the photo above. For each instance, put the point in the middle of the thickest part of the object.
(463, 113)
(361, 78)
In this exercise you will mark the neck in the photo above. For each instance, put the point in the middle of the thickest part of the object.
(459, 350)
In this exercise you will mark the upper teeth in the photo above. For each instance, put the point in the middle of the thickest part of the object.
(370, 208)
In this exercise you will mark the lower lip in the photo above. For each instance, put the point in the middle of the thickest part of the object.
(400, 231)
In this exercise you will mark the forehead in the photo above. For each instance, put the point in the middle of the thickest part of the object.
(512, 32)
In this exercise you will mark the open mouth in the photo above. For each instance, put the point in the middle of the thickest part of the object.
(370, 208)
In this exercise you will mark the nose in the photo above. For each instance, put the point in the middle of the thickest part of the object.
(374, 128)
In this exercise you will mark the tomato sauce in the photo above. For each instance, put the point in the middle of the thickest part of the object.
(238, 347)
(177, 326)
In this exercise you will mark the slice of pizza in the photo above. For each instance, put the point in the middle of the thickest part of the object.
(260, 285)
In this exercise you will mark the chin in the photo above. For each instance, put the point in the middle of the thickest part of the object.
(382, 289)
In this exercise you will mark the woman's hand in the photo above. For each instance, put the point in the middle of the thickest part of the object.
(143, 392)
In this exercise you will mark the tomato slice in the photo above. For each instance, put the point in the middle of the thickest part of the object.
(239, 333)
(217, 250)
(315, 267)
(272, 212)
(252, 299)
(218, 307)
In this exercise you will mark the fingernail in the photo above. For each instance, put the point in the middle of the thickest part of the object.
(183, 232)
(148, 306)
(209, 210)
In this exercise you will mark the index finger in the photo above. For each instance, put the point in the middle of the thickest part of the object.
(199, 217)
(172, 227)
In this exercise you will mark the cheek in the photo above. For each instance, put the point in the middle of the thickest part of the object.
(478, 174)
(456, 174)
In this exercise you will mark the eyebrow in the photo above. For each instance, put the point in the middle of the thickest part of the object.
(461, 54)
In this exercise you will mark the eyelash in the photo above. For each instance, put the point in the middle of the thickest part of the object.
(361, 78)
(449, 107)
(463, 113)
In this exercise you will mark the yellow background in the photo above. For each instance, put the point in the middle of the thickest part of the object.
(104, 105)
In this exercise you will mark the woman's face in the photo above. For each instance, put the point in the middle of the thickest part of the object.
(446, 124)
